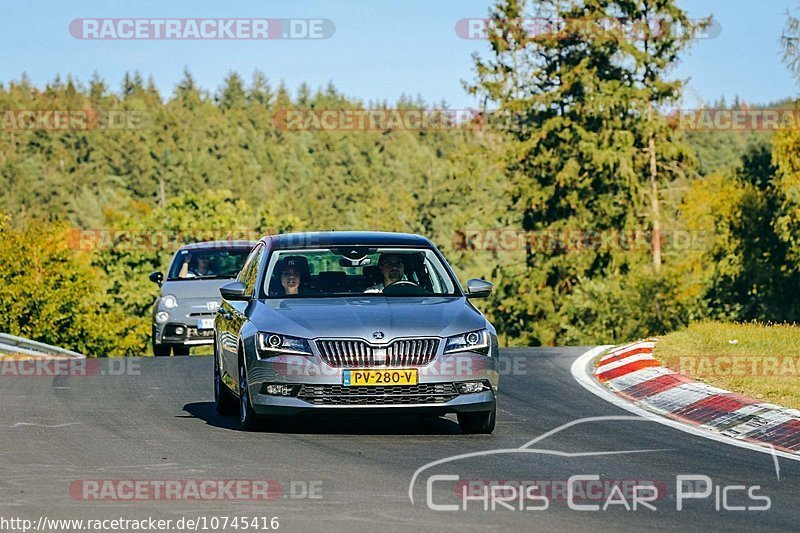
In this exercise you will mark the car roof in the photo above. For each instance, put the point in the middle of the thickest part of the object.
(219, 245)
(346, 238)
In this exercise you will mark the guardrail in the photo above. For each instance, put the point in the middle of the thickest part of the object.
(20, 345)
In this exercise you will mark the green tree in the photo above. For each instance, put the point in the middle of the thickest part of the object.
(232, 95)
(586, 130)
(741, 273)
(786, 156)
(50, 293)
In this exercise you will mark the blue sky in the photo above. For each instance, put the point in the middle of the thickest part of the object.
(381, 48)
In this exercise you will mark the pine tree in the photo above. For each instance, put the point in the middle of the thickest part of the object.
(232, 94)
(260, 91)
(97, 89)
(187, 90)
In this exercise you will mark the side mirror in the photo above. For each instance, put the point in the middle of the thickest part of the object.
(478, 288)
(157, 278)
(235, 291)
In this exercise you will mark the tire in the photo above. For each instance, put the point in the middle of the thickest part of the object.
(161, 350)
(224, 400)
(180, 349)
(478, 423)
(247, 416)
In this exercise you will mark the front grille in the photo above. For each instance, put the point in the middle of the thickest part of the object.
(430, 393)
(340, 353)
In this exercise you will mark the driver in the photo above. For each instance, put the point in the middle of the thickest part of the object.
(392, 269)
(201, 267)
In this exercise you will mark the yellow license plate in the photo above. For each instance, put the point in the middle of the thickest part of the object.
(377, 378)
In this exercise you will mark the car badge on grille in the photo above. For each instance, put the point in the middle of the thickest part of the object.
(378, 335)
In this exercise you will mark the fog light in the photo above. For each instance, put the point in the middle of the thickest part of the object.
(179, 330)
(162, 316)
(469, 387)
(279, 390)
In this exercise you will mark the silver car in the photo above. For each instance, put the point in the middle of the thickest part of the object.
(183, 313)
(342, 321)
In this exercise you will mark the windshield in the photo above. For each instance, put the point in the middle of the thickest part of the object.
(357, 271)
(207, 264)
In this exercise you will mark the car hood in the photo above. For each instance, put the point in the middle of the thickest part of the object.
(195, 288)
(362, 316)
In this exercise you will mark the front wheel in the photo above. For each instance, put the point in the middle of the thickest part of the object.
(247, 416)
(161, 350)
(477, 423)
(180, 349)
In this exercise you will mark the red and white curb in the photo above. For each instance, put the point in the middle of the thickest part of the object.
(636, 381)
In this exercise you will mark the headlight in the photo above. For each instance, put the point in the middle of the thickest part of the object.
(169, 302)
(272, 344)
(474, 341)
(162, 316)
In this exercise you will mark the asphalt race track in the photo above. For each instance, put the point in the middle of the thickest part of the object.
(156, 421)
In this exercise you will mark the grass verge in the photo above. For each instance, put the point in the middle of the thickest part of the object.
(761, 361)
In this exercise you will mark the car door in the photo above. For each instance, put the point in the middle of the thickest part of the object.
(231, 319)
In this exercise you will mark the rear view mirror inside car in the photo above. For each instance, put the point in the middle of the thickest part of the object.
(354, 254)
(347, 262)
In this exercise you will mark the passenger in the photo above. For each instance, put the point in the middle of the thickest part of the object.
(393, 270)
(291, 277)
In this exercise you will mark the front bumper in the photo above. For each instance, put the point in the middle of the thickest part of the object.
(315, 387)
(183, 325)
(276, 405)
(181, 333)
(196, 302)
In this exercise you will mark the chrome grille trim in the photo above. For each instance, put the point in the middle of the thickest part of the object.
(354, 353)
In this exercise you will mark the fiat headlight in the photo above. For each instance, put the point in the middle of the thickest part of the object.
(169, 302)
